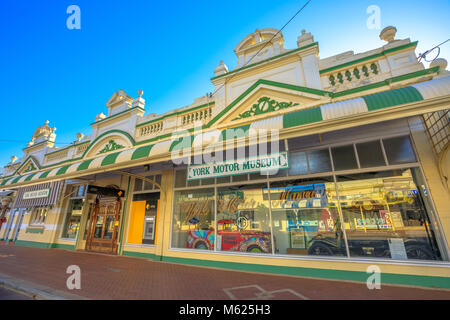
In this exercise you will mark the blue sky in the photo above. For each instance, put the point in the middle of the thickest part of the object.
(168, 49)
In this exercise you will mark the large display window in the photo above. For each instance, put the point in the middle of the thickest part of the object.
(72, 224)
(243, 222)
(193, 219)
(385, 216)
(366, 200)
(305, 217)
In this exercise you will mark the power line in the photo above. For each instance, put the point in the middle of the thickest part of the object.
(424, 55)
(293, 17)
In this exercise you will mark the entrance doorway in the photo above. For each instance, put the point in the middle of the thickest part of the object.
(104, 225)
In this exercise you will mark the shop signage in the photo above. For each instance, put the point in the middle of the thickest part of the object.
(37, 194)
(264, 163)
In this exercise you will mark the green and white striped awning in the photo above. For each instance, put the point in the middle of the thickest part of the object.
(337, 110)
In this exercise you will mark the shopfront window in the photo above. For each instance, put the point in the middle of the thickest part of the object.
(243, 222)
(385, 217)
(38, 215)
(305, 217)
(193, 219)
(73, 219)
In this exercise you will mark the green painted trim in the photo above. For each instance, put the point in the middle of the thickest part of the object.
(33, 244)
(126, 134)
(266, 60)
(62, 170)
(154, 139)
(28, 178)
(386, 278)
(62, 246)
(143, 255)
(142, 152)
(391, 98)
(124, 216)
(301, 117)
(84, 165)
(237, 132)
(45, 174)
(374, 56)
(16, 180)
(117, 114)
(68, 147)
(175, 114)
(109, 159)
(179, 143)
(35, 230)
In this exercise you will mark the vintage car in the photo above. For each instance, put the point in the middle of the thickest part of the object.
(359, 245)
(230, 238)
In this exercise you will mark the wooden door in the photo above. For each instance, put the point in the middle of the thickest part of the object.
(104, 226)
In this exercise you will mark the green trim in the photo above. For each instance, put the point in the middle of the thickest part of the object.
(175, 114)
(391, 98)
(84, 165)
(117, 114)
(109, 159)
(28, 178)
(374, 56)
(111, 146)
(126, 134)
(45, 174)
(62, 246)
(142, 152)
(16, 180)
(266, 60)
(35, 230)
(179, 143)
(386, 278)
(301, 117)
(124, 212)
(33, 244)
(62, 170)
(142, 255)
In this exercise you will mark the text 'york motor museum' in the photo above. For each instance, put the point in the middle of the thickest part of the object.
(297, 165)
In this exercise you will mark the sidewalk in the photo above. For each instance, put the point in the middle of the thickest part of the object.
(116, 277)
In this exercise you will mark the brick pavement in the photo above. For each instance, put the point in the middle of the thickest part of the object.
(116, 277)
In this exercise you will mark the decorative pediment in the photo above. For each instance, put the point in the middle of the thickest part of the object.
(118, 97)
(109, 142)
(267, 99)
(29, 165)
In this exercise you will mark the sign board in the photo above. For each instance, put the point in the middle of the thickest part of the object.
(265, 163)
(37, 194)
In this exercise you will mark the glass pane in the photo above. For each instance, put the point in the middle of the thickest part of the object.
(305, 218)
(243, 219)
(207, 181)
(158, 180)
(319, 161)
(72, 224)
(86, 229)
(180, 178)
(344, 158)
(399, 150)
(193, 219)
(384, 216)
(257, 176)
(223, 180)
(370, 154)
(298, 164)
(109, 227)
(193, 183)
(137, 185)
(99, 227)
(148, 185)
(239, 177)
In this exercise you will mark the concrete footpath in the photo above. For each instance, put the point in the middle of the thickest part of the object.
(41, 274)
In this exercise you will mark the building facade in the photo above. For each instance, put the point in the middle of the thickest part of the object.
(295, 165)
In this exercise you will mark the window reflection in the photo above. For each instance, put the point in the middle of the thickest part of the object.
(305, 218)
(384, 216)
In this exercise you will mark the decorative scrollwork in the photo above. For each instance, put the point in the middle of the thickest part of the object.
(111, 146)
(265, 105)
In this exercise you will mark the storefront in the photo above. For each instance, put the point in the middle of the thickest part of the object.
(296, 165)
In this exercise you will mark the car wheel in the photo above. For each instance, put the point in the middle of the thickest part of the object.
(254, 249)
(201, 245)
(418, 252)
(320, 249)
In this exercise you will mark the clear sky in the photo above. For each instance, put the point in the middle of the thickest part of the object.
(169, 49)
